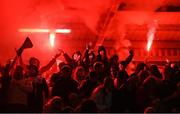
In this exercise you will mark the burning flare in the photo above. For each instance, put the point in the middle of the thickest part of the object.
(51, 39)
(151, 34)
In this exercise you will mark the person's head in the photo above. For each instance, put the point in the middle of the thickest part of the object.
(150, 82)
(61, 64)
(79, 73)
(176, 67)
(140, 67)
(143, 75)
(7, 66)
(114, 72)
(88, 106)
(54, 105)
(102, 51)
(34, 61)
(114, 58)
(168, 72)
(155, 71)
(77, 56)
(18, 73)
(91, 55)
(66, 71)
(98, 67)
(33, 70)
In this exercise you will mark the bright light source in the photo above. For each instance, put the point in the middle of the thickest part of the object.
(44, 30)
(150, 39)
(151, 34)
(167, 60)
(52, 39)
(34, 30)
(63, 30)
(52, 33)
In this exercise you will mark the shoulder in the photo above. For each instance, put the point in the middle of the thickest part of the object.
(97, 89)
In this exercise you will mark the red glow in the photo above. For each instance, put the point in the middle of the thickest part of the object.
(150, 35)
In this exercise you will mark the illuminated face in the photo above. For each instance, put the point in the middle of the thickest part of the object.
(102, 53)
(76, 57)
(34, 62)
(81, 74)
(121, 67)
(90, 56)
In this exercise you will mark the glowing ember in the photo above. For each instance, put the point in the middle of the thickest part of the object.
(150, 35)
(51, 39)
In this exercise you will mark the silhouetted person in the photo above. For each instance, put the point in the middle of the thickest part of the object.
(102, 95)
(40, 90)
(65, 84)
(155, 71)
(35, 61)
(5, 80)
(123, 75)
(147, 92)
(75, 60)
(17, 94)
(79, 75)
(114, 65)
(102, 57)
(89, 60)
(87, 86)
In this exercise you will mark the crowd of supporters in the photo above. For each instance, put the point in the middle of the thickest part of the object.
(89, 82)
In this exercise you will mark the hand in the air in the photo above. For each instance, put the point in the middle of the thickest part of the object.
(131, 51)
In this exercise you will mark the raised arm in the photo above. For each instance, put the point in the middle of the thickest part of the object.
(129, 58)
(12, 65)
(68, 59)
(49, 65)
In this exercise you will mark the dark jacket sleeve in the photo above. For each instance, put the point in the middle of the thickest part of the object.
(128, 60)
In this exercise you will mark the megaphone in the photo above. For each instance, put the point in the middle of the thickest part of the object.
(27, 44)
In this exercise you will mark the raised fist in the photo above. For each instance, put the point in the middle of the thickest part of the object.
(60, 51)
(131, 51)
